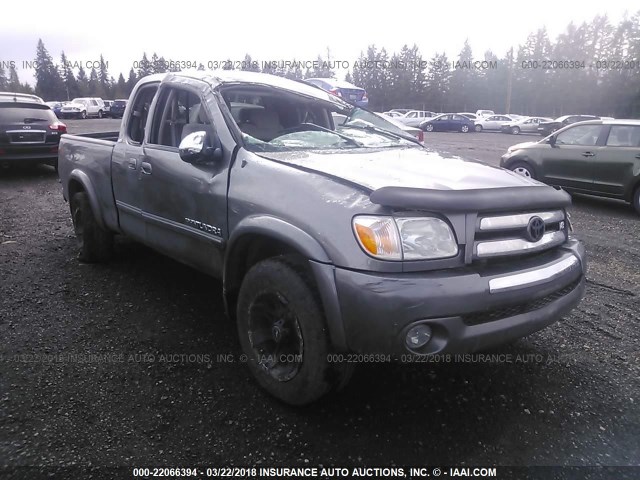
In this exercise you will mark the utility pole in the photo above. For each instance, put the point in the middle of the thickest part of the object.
(509, 81)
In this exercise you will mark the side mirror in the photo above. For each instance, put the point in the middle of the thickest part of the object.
(200, 146)
(552, 140)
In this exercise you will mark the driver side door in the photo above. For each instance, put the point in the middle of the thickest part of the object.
(185, 204)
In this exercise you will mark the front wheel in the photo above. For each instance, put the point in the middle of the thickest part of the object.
(428, 127)
(636, 199)
(515, 130)
(478, 128)
(523, 169)
(94, 243)
(283, 332)
(83, 115)
(100, 114)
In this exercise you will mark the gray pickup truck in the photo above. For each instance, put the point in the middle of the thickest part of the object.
(332, 242)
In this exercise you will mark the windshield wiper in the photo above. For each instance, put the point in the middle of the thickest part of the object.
(381, 131)
(344, 137)
(34, 119)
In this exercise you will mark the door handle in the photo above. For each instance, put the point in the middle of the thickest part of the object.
(145, 168)
(132, 163)
(588, 154)
(638, 155)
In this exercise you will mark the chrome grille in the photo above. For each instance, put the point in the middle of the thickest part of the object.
(27, 136)
(505, 235)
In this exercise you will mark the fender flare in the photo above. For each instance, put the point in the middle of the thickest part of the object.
(84, 180)
(320, 265)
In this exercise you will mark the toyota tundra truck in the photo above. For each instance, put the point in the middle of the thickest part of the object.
(329, 240)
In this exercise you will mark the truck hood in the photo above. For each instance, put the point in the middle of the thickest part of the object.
(407, 167)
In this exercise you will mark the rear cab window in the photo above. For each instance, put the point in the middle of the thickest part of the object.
(140, 111)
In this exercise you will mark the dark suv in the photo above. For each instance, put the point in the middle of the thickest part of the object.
(117, 108)
(547, 128)
(29, 133)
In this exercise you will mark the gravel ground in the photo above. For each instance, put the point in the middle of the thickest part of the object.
(569, 395)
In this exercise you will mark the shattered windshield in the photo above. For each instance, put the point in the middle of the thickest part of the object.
(276, 120)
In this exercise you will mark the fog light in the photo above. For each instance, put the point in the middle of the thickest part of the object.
(418, 336)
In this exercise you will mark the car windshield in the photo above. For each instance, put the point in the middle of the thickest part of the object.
(276, 120)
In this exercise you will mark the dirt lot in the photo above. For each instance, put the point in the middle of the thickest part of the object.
(569, 395)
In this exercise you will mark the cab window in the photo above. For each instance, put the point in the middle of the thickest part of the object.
(140, 112)
(176, 108)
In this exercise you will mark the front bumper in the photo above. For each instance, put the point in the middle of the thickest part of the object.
(467, 309)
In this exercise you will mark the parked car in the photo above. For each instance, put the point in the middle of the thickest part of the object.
(340, 88)
(414, 118)
(29, 132)
(470, 116)
(117, 108)
(393, 113)
(56, 107)
(494, 122)
(546, 128)
(485, 113)
(524, 125)
(326, 239)
(20, 97)
(448, 122)
(83, 108)
(107, 107)
(598, 157)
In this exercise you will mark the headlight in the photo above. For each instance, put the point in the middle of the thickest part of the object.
(405, 238)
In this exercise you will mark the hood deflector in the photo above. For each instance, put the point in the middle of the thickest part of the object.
(477, 200)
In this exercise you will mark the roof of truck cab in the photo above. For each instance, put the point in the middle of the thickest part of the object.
(220, 77)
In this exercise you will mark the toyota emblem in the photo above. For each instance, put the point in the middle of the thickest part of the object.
(535, 229)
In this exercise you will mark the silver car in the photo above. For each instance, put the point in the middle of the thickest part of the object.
(494, 122)
(524, 125)
(414, 118)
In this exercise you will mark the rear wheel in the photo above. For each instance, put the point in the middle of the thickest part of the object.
(515, 130)
(478, 128)
(636, 199)
(94, 243)
(524, 169)
(283, 332)
(464, 128)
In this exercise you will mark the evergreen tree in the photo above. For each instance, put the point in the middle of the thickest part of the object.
(83, 82)
(49, 84)
(131, 82)
(71, 89)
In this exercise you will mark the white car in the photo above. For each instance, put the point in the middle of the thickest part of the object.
(494, 122)
(413, 118)
(524, 125)
(83, 108)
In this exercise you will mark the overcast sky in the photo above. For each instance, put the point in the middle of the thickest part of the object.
(278, 30)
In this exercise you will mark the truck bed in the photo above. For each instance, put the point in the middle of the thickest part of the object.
(89, 156)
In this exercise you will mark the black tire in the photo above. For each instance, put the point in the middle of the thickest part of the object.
(522, 167)
(83, 115)
(464, 129)
(515, 130)
(636, 199)
(100, 114)
(94, 243)
(478, 128)
(280, 313)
